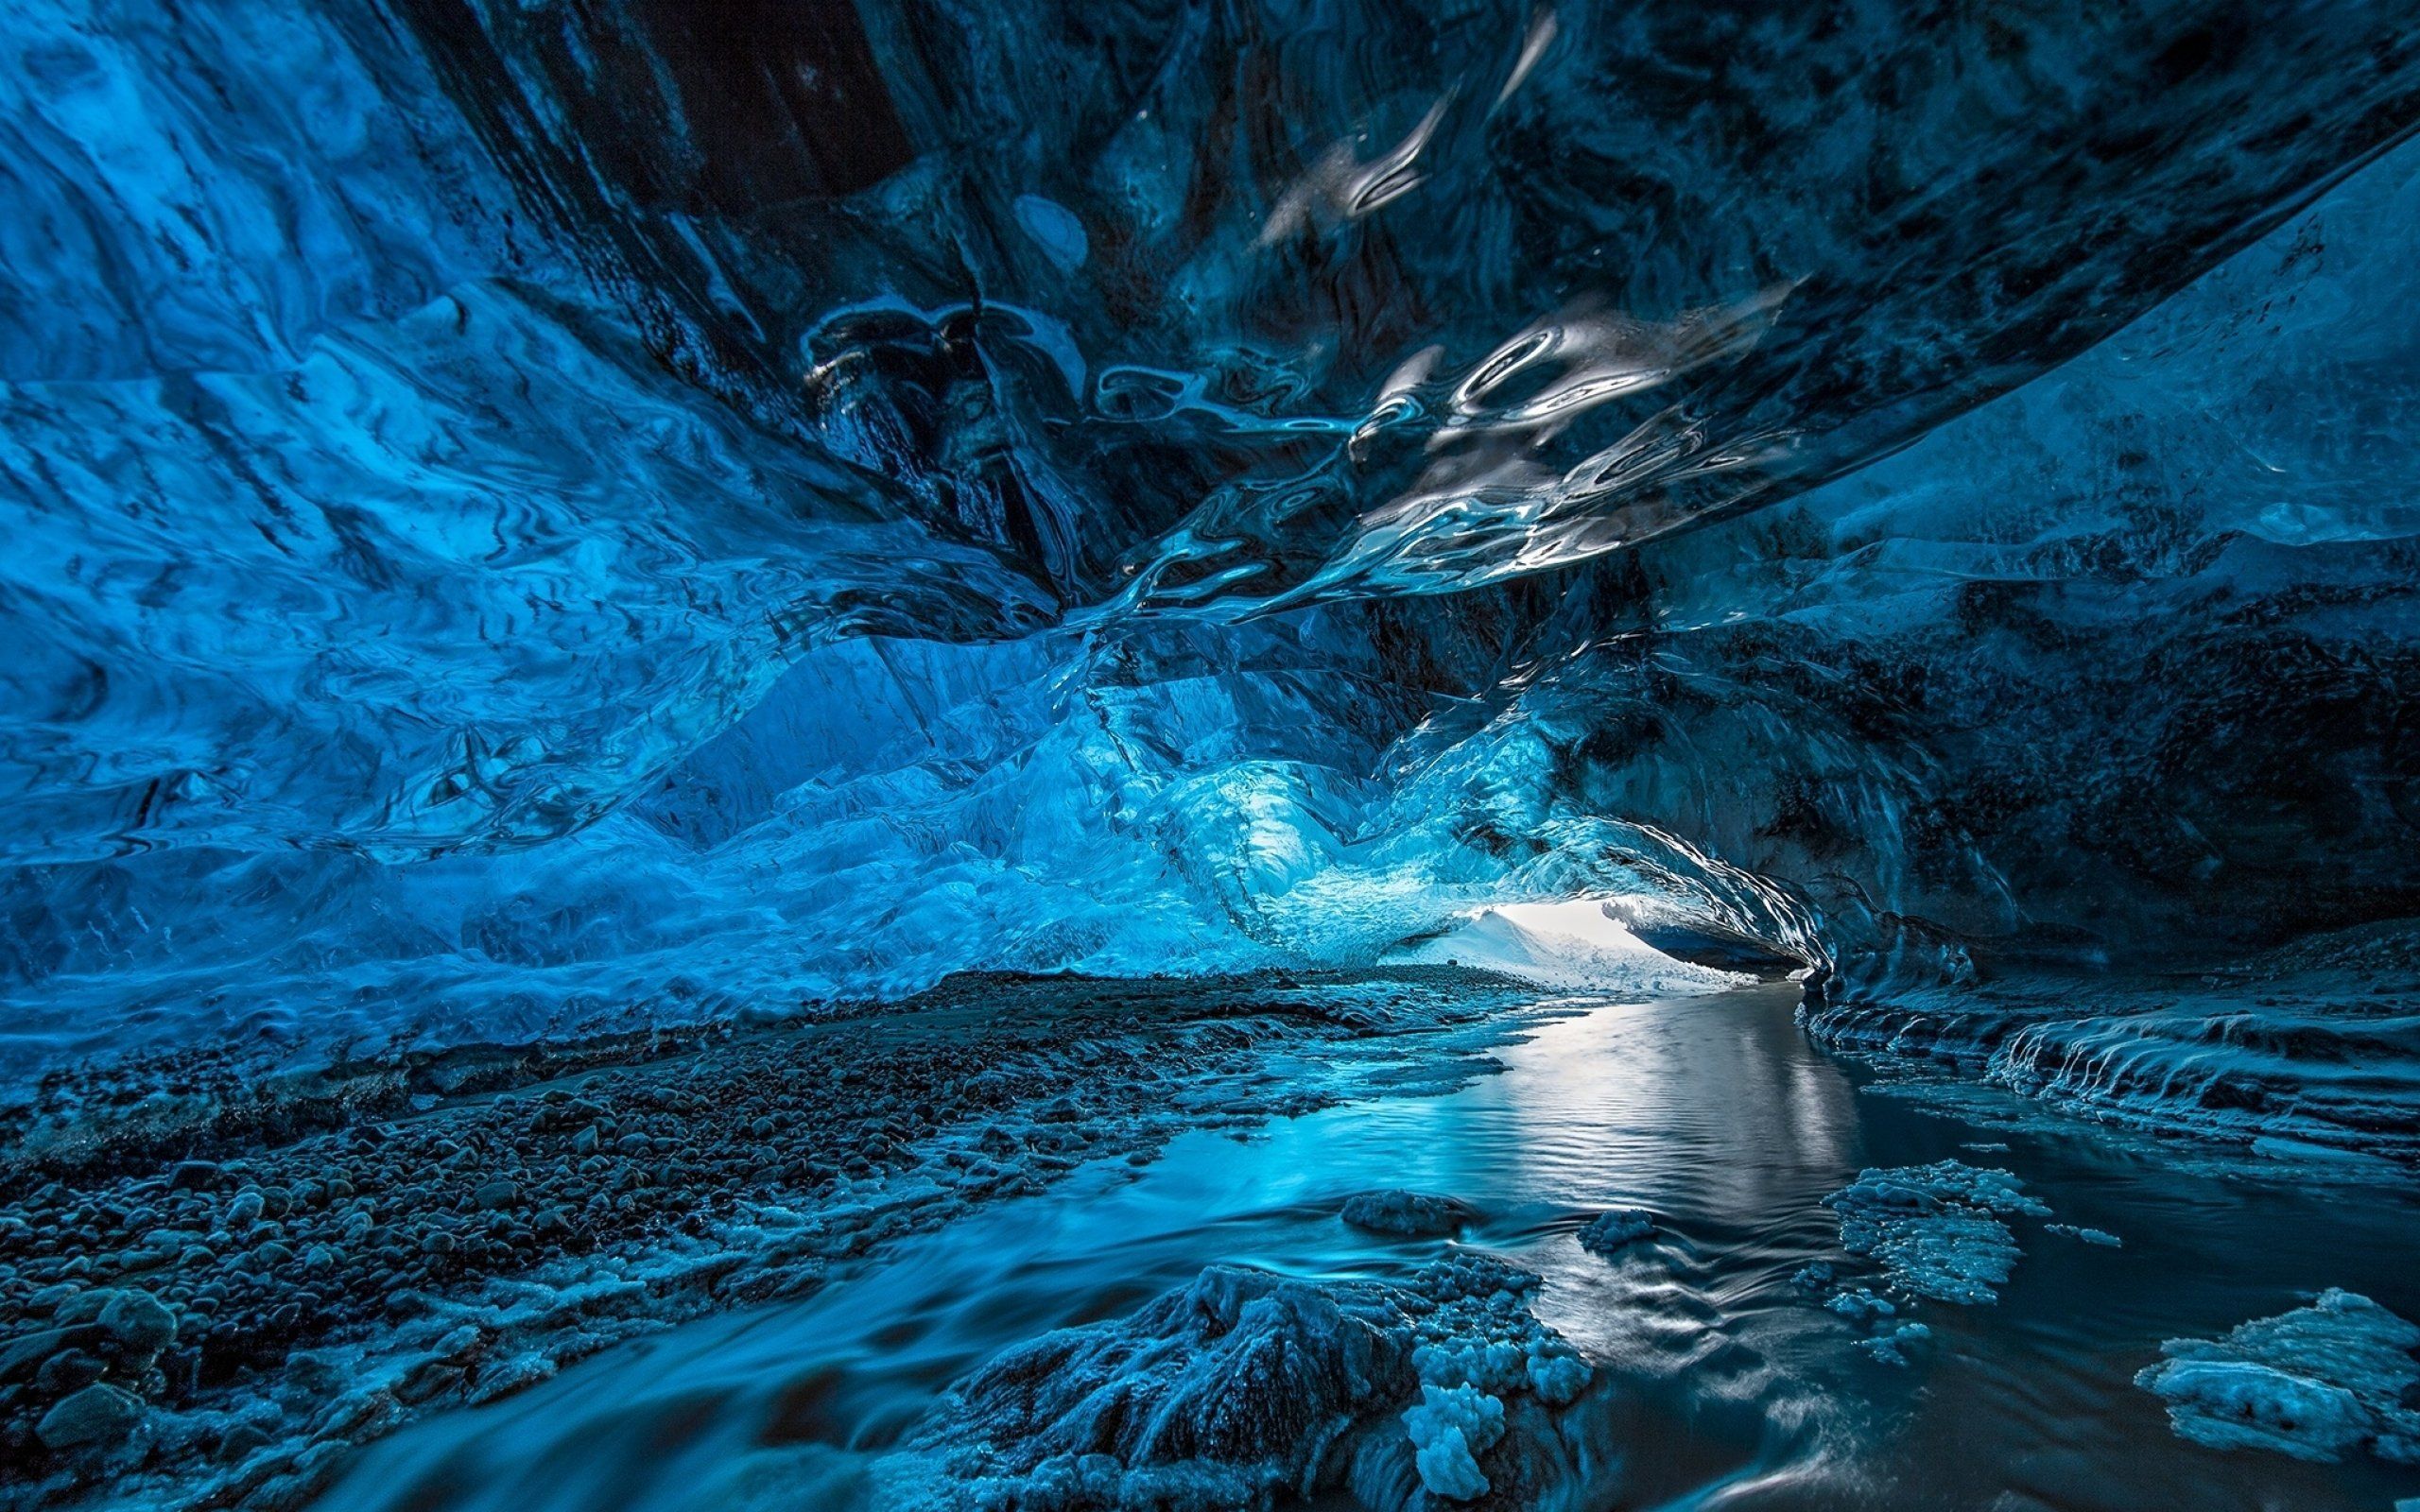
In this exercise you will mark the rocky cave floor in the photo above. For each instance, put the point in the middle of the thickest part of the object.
(213, 1288)
(216, 1287)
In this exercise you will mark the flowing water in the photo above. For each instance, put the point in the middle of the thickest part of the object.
(1729, 1387)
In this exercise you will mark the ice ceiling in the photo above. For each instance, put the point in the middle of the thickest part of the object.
(526, 515)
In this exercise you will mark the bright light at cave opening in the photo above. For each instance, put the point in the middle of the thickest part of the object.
(1576, 944)
(1588, 920)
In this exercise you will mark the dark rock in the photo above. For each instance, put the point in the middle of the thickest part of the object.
(140, 1322)
(22, 1355)
(69, 1371)
(48, 1299)
(239, 1442)
(433, 1379)
(98, 1416)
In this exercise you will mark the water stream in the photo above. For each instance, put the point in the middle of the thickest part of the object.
(1730, 1387)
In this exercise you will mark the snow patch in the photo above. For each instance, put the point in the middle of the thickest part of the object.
(1574, 945)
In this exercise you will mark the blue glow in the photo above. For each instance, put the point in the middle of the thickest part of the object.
(521, 523)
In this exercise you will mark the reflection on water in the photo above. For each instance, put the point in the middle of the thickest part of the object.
(1731, 1389)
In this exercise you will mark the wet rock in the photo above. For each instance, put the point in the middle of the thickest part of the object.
(1243, 1374)
(239, 1443)
(21, 1356)
(1246, 1388)
(358, 1233)
(68, 1371)
(139, 1322)
(97, 1416)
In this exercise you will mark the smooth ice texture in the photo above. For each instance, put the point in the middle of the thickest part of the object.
(524, 518)
(1575, 945)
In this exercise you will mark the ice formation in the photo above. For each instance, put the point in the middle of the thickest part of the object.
(1450, 1428)
(1615, 1230)
(540, 538)
(2336, 1378)
(1244, 1385)
(544, 543)
(1937, 1231)
(2082, 1234)
(1411, 1214)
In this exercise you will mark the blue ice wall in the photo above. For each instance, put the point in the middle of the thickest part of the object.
(2116, 668)
(530, 517)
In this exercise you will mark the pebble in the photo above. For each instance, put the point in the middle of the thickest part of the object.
(140, 1322)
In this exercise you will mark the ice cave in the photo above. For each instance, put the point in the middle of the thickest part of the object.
(1180, 755)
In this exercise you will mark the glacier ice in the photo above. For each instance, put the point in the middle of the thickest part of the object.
(542, 542)
(626, 524)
